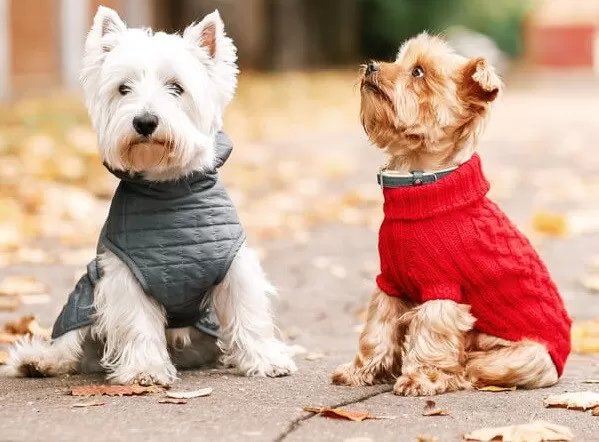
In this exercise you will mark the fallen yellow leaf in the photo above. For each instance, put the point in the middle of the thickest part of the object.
(581, 400)
(496, 389)
(189, 394)
(538, 431)
(552, 224)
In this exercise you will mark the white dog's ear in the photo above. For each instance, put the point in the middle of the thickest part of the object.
(208, 34)
(105, 30)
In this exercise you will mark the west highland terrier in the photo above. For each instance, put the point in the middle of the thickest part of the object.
(463, 299)
(172, 248)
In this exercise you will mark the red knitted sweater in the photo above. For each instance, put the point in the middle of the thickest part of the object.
(447, 240)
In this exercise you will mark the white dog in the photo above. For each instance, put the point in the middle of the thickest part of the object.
(156, 101)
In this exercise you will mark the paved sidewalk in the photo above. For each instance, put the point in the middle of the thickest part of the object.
(540, 139)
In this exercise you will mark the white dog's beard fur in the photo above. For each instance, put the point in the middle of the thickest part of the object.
(129, 324)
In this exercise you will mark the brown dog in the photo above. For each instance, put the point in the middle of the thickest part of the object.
(462, 297)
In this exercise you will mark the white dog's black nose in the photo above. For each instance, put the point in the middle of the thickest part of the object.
(145, 124)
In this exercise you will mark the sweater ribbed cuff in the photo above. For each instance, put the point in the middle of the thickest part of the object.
(447, 292)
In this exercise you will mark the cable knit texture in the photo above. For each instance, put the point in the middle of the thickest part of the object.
(447, 240)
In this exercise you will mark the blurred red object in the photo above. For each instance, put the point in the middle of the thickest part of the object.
(564, 33)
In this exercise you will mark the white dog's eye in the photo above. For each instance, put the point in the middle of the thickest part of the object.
(418, 72)
(124, 89)
(175, 89)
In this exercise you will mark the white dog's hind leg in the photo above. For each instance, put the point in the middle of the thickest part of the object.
(132, 326)
(35, 357)
(242, 305)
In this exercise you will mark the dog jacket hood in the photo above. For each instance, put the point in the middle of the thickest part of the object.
(447, 240)
(178, 238)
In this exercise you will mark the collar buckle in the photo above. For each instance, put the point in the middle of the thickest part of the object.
(418, 177)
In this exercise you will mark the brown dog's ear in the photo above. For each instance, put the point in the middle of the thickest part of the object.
(480, 82)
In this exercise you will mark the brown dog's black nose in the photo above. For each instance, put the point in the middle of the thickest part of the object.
(371, 67)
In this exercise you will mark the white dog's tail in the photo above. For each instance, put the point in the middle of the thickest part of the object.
(37, 357)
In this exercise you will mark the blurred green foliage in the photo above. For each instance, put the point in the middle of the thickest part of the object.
(386, 23)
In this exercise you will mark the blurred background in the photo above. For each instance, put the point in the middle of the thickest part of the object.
(302, 173)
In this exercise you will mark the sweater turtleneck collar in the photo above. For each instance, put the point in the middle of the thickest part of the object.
(466, 185)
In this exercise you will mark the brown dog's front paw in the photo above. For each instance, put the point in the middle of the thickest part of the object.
(351, 376)
(414, 385)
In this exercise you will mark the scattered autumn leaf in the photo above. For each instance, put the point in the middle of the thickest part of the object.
(495, 388)
(580, 400)
(189, 394)
(538, 431)
(552, 224)
(595, 411)
(585, 336)
(426, 438)
(591, 283)
(7, 338)
(430, 409)
(88, 404)
(27, 326)
(591, 381)
(114, 390)
(339, 413)
(172, 401)
(3, 357)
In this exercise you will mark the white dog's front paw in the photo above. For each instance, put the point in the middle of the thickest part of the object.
(269, 358)
(163, 376)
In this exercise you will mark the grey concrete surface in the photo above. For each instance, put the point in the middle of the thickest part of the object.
(546, 127)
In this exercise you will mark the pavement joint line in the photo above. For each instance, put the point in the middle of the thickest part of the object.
(296, 423)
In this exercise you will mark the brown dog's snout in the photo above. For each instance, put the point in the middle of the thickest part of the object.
(371, 67)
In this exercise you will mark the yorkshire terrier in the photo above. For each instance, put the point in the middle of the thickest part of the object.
(462, 298)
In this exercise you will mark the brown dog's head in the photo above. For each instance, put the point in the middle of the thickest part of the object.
(430, 101)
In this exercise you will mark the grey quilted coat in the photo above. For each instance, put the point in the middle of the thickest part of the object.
(178, 238)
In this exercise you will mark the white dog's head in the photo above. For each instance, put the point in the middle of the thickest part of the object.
(157, 100)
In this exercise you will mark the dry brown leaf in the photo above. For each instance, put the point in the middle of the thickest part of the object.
(25, 326)
(88, 404)
(339, 413)
(494, 388)
(189, 394)
(430, 409)
(172, 401)
(595, 411)
(591, 381)
(580, 400)
(538, 431)
(21, 285)
(3, 357)
(114, 390)
(552, 224)
(7, 338)
(426, 438)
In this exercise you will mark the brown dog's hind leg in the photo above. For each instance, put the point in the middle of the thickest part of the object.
(379, 355)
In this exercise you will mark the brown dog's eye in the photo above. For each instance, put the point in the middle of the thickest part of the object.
(418, 72)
